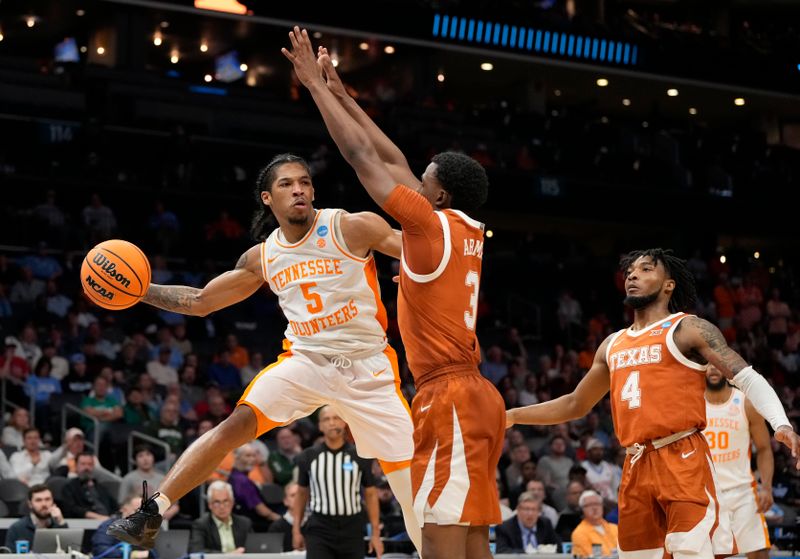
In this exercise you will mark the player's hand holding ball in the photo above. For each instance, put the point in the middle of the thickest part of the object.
(115, 274)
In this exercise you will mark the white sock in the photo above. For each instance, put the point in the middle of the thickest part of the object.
(163, 503)
(400, 482)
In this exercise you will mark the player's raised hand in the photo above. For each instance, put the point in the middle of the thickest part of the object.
(302, 57)
(331, 75)
(789, 438)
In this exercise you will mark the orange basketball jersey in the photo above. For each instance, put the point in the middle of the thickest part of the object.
(437, 312)
(655, 390)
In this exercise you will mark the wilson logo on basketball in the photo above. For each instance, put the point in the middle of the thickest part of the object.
(111, 269)
(99, 289)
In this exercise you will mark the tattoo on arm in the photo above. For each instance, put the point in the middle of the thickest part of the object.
(717, 343)
(176, 298)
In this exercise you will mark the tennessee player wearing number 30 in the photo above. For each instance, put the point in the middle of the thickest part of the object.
(319, 263)
(731, 424)
(656, 373)
(459, 417)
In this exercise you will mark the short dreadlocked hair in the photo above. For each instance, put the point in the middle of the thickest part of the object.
(463, 178)
(264, 221)
(685, 293)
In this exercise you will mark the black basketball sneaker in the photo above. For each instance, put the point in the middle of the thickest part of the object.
(140, 528)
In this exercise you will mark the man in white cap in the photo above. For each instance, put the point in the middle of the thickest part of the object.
(62, 461)
(599, 473)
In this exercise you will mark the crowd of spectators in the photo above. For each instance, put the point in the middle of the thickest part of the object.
(173, 378)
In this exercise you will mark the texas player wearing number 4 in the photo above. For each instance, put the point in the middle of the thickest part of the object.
(655, 370)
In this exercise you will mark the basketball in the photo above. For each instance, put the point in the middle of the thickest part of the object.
(115, 274)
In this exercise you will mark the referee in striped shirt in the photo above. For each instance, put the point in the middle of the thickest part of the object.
(330, 476)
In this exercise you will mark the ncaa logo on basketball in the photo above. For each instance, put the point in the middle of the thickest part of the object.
(99, 289)
(111, 269)
(322, 230)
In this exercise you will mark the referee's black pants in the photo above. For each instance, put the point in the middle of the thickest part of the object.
(334, 537)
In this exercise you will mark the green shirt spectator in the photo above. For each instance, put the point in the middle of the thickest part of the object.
(136, 412)
(170, 429)
(281, 461)
(100, 405)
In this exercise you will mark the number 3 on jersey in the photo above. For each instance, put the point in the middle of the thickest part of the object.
(472, 281)
(631, 392)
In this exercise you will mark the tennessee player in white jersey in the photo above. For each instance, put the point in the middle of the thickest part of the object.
(731, 424)
(319, 263)
(323, 288)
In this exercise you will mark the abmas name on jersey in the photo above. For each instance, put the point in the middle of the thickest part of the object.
(473, 247)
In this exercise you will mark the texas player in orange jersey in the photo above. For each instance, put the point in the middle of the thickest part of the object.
(458, 415)
(656, 372)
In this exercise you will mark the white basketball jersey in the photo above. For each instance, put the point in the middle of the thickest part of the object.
(728, 434)
(330, 297)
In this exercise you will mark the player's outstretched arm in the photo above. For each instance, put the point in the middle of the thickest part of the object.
(366, 231)
(698, 336)
(350, 138)
(223, 291)
(570, 406)
(764, 458)
(389, 153)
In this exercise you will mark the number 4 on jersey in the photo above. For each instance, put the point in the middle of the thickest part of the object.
(631, 392)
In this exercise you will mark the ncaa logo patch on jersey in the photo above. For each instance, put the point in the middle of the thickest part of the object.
(322, 230)
(736, 400)
(667, 323)
(347, 466)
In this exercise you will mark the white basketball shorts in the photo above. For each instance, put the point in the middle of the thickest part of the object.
(366, 394)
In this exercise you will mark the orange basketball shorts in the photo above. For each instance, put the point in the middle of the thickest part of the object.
(668, 502)
(459, 427)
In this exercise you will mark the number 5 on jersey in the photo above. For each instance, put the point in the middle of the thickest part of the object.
(315, 304)
(631, 392)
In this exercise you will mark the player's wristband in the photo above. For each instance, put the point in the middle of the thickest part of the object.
(763, 397)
